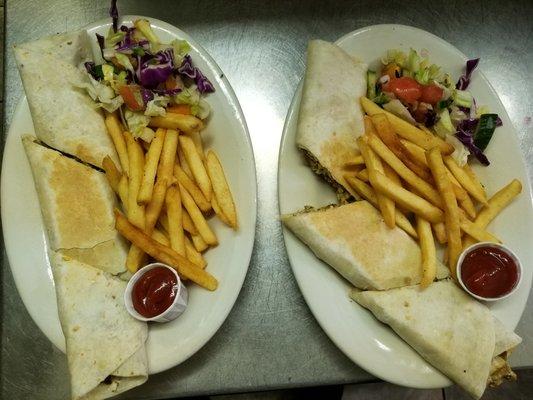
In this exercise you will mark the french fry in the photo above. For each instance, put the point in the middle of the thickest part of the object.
(136, 213)
(153, 209)
(385, 132)
(429, 253)
(192, 188)
(183, 163)
(451, 215)
(440, 232)
(407, 199)
(199, 243)
(160, 237)
(112, 174)
(135, 258)
(168, 156)
(123, 192)
(464, 179)
(181, 122)
(175, 220)
(495, 205)
(374, 166)
(115, 130)
(363, 175)
(221, 189)
(150, 167)
(474, 178)
(477, 233)
(188, 225)
(420, 186)
(164, 254)
(193, 255)
(197, 139)
(218, 211)
(354, 163)
(196, 215)
(407, 130)
(196, 165)
(366, 192)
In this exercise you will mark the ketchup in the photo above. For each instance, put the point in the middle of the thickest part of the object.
(154, 292)
(489, 272)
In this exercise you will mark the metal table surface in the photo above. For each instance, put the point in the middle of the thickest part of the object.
(270, 339)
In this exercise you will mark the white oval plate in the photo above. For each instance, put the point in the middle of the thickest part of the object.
(367, 342)
(171, 343)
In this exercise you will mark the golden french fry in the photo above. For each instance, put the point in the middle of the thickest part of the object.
(153, 209)
(374, 166)
(406, 130)
(197, 139)
(199, 243)
(385, 132)
(420, 186)
(181, 122)
(135, 258)
(188, 225)
(221, 188)
(440, 232)
(468, 206)
(474, 231)
(193, 255)
(112, 174)
(136, 213)
(218, 211)
(417, 152)
(366, 192)
(164, 254)
(183, 163)
(168, 156)
(115, 130)
(175, 224)
(196, 215)
(150, 167)
(354, 163)
(196, 165)
(192, 188)
(429, 253)
(464, 179)
(407, 199)
(363, 175)
(160, 237)
(451, 215)
(474, 178)
(123, 192)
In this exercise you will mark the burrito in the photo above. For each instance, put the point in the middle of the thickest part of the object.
(64, 116)
(105, 345)
(356, 242)
(77, 208)
(450, 330)
(330, 117)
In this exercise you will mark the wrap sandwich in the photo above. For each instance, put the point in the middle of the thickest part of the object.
(330, 117)
(453, 332)
(64, 115)
(356, 242)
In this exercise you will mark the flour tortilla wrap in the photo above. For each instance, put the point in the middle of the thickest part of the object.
(330, 117)
(105, 345)
(449, 329)
(356, 242)
(64, 116)
(77, 207)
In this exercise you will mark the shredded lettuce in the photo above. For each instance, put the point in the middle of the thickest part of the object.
(103, 95)
(396, 107)
(144, 26)
(460, 153)
(444, 126)
(136, 121)
(156, 106)
(181, 48)
(191, 96)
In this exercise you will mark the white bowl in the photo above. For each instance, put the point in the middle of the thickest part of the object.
(503, 248)
(177, 307)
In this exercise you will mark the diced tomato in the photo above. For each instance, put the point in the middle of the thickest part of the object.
(405, 89)
(180, 109)
(132, 97)
(431, 94)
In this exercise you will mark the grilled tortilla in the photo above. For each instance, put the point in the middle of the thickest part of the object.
(330, 117)
(354, 240)
(453, 332)
(105, 345)
(64, 116)
(77, 207)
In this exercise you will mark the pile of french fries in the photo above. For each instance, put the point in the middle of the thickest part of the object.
(168, 188)
(404, 169)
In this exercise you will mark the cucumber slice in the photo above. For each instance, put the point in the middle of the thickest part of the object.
(484, 130)
(371, 81)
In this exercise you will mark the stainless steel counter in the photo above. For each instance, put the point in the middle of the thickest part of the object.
(270, 339)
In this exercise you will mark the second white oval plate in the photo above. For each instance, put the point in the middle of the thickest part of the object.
(366, 341)
(171, 343)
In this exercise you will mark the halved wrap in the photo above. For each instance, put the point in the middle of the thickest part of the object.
(64, 116)
(453, 332)
(77, 207)
(105, 345)
(330, 117)
(356, 242)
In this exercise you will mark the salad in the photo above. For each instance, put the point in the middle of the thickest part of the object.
(417, 91)
(143, 78)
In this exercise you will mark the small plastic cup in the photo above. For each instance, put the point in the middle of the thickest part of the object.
(501, 247)
(177, 307)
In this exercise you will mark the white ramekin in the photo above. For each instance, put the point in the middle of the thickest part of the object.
(501, 247)
(176, 308)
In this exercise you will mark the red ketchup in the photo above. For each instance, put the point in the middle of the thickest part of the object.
(489, 272)
(154, 292)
